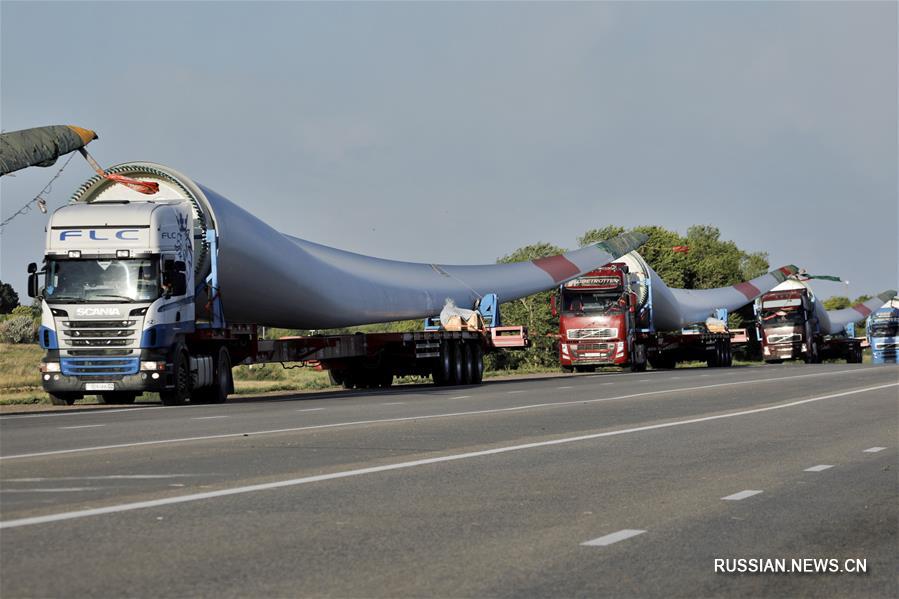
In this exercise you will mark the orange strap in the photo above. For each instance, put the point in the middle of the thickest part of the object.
(146, 187)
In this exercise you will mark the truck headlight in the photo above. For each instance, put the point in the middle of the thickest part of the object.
(619, 347)
(804, 348)
(50, 367)
(152, 365)
(766, 351)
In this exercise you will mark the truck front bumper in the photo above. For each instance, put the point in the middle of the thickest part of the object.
(142, 382)
(610, 353)
(783, 351)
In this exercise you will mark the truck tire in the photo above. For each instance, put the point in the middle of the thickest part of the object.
(467, 363)
(478, 353)
(638, 358)
(121, 397)
(854, 355)
(443, 367)
(728, 354)
(222, 383)
(456, 363)
(812, 356)
(180, 393)
(63, 399)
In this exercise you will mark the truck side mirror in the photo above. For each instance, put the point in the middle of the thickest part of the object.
(33, 288)
(552, 305)
(32, 268)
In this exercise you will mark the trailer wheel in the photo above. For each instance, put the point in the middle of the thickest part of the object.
(478, 353)
(181, 378)
(385, 379)
(122, 397)
(728, 354)
(457, 366)
(222, 385)
(854, 356)
(63, 399)
(467, 363)
(443, 367)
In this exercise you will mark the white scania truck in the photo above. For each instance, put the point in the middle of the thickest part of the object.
(131, 302)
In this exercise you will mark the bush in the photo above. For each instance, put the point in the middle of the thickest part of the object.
(18, 329)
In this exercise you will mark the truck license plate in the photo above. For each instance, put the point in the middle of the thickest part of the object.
(99, 387)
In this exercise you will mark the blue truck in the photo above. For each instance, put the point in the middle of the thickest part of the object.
(882, 330)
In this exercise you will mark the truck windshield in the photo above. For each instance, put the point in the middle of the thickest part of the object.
(885, 329)
(131, 280)
(782, 317)
(585, 302)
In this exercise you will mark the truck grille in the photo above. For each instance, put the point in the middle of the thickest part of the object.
(794, 338)
(887, 346)
(608, 333)
(99, 366)
(99, 334)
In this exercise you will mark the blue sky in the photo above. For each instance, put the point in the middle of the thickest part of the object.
(456, 133)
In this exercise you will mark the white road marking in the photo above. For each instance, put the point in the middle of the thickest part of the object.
(208, 417)
(604, 384)
(874, 449)
(621, 535)
(511, 392)
(125, 507)
(106, 477)
(59, 490)
(394, 403)
(461, 397)
(566, 387)
(69, 428)
(741, 495)
(310, 409)
(642, 380)
(819, 468)
(557, 404)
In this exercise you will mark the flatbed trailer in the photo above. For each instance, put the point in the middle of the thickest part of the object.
(371, 360)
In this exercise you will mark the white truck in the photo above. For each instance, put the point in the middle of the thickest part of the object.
(131, 302)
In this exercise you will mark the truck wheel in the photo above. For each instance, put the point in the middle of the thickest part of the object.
(567, 369)
(456, 362)
(638, 359)
(222, 383)
(443, 368)
(385, 379)
(713, 359)
(63, 399)
(728, 354)
(335, 376)
(181, 377)
(467, 364)
(854, 355)
(478, 355)
(122, 397)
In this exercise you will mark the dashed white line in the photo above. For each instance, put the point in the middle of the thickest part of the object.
(310, 409)
(741, 495)
(565, 387)
(819, 468)
(126, 507)
(461, 397)
(614, 537)
(208, 417)
(69, 428)
(557, 404)
(394, 403)
(513, 392)
(874, 449)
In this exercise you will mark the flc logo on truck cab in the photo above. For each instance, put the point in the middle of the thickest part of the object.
(100, 234)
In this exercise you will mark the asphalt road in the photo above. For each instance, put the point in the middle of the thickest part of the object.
(626, 485)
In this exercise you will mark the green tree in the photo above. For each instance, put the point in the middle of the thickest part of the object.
(9, 299)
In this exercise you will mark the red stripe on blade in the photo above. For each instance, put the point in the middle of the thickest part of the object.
(558, 267)
(747, 289)
(861, 309)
